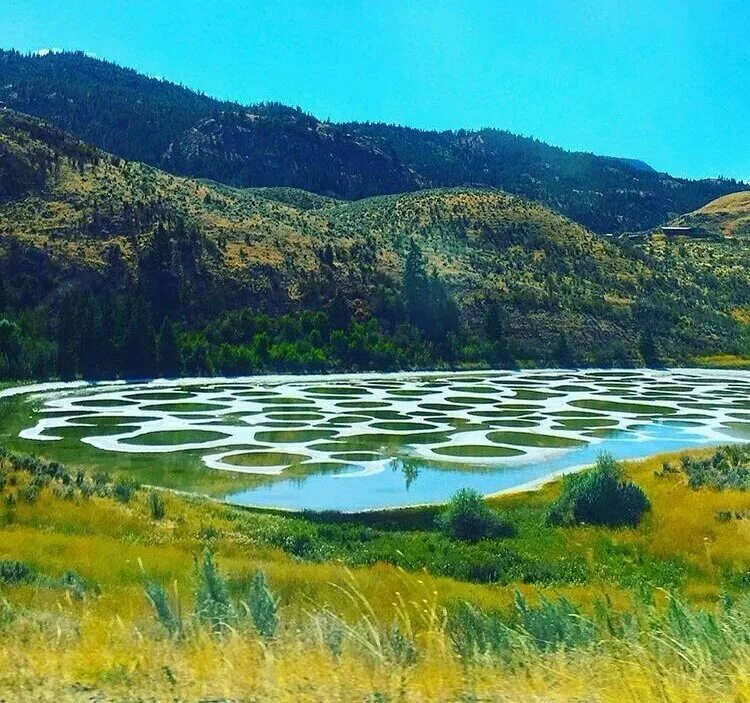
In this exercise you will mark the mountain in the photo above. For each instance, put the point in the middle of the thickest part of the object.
(113, 267)
(728, 216)
(187, 133)
(638, 165)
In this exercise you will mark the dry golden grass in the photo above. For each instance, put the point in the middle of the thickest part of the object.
(734, 202)
(69, 652)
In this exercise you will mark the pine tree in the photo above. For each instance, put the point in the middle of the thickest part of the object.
(649, 351)
(168, 350)
(138, 348)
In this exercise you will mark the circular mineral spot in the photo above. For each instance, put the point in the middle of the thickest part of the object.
(507, 407)
(412, 393)
(333, 446)
(587, 423)
(110, 420)
(536, 395)
(533, 439)
(380, 439)
(362, 404)
(280, 400)
(287, 408)
(681, 423)
(444, 407)
(81, 431)
(160, 395)
(469, 400)
(175, 437)
(357, 456)
(70, 414)
(185, 407)
(385, 415)
(104, 403)
(513, 423)
(295, 416)
(403, 426)
(499, 413)
(475, 389)
(577, 413)
(338, 390)
(632, 408)
(477, 450)
(264, 459)
(293, 436)
(345, 421)
(573, 388)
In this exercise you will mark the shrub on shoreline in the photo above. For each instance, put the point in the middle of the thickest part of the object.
(468, 518)
(599, 496)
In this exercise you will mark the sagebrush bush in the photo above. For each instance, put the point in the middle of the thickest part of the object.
(215, 609)
(75, 584)
(263, 606)
(213, 605)
(727, 468)
(12, 571)
(467, 517)
(156, 505)
(599, 496)
(167, 611)
(124, 489)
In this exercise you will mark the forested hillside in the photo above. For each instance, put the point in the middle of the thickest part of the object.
(109, 267)
(174, 128)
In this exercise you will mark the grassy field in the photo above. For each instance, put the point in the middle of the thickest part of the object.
(366, 612)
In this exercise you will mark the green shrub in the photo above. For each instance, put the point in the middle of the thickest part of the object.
(12, 571)
(402, 650)
(124, 489)
(331, 632)
(727, 468)
(29, 493)
(467, 517)
(76, 584)
(263, 606)
(156, 505)
(101, 480)
(212, 603)
(599, 496)
(167, 611)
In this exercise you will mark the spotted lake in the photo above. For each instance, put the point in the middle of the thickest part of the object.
(359, 442)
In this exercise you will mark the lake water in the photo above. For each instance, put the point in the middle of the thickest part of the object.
(360, 442)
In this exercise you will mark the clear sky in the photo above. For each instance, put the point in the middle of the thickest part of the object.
(664, 81)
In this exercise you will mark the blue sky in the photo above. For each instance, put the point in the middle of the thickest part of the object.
(667, 82)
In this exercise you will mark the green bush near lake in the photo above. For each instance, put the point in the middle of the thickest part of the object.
(727, 468)
(600, 496)
(467, 517)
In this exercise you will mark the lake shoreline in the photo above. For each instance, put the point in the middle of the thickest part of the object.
(735, 363)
